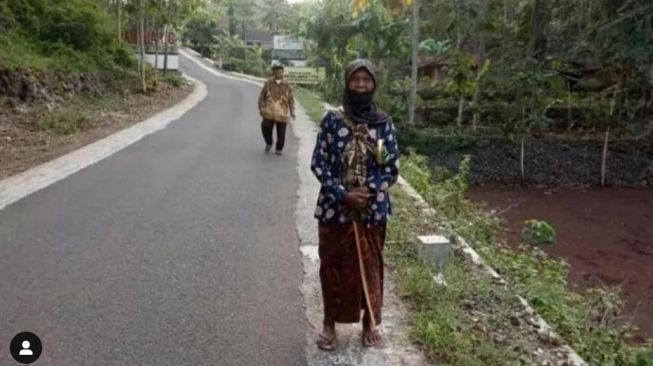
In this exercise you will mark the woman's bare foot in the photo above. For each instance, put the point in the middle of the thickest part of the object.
(372, 338)
(326, 340)
(371, 335)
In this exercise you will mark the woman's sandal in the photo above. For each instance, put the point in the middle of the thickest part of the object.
(325, 343)
(367, 342)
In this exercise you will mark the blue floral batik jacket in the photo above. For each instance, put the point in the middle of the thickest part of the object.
(333, 135)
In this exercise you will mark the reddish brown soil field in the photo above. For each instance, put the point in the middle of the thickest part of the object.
(606, 235)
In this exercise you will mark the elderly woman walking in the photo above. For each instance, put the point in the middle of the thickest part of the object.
(355, 160)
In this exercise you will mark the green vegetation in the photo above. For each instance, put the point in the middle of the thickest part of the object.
(175, 79)
(590, 321)
(441, 319)
(63, 36)
(65, 39)
(512, 69)
(78, 114)
(313, 105)
(537, 232)
(478, 56)
(67, 60)
(515, 69)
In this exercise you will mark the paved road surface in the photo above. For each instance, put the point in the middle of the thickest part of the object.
(178, 250)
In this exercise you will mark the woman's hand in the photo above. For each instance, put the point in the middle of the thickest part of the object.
(357, 198)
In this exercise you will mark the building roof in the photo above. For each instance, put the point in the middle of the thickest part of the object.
(258, 35)
(440, 60)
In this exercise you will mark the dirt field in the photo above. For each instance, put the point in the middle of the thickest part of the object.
(605, 234)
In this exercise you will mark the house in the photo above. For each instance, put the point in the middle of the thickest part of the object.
(258, 37)
(434, 67)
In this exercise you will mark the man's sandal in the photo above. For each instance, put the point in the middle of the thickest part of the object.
(325, 343)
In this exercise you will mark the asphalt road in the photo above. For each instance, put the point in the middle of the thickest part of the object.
(179, 250)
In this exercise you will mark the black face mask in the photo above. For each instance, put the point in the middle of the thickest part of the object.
(360, 99)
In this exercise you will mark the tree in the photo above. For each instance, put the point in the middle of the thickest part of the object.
(119, 4)
(393, 5)
(330, 27)
(240, 13)
(608, 119)
(476, 84)
(532, 102)
(414, 62)
(397, 6)
(607, 39)
(461, 81)
(537, 44)
(274, 12)
(141, 40)
(200, 32)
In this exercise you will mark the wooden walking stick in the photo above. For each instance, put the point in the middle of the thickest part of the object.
(377, 152)
(361, 266)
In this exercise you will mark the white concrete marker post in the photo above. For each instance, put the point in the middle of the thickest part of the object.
(434, 249)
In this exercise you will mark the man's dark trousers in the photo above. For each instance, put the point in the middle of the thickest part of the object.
(267, 126)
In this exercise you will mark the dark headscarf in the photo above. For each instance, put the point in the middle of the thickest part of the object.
(361, 108)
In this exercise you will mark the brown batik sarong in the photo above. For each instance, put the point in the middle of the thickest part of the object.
(342, 288)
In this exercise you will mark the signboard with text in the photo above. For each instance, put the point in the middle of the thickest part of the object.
(305, 75)
(287, 43)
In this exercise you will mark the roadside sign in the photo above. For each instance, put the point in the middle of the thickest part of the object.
(305, 75)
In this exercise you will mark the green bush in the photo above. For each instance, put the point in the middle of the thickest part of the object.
(70, 35)
(252, 66)
(645, 359)
(174, 79)
(76, 23)
(538, 232)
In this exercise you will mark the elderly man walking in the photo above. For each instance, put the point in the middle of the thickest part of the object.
(276, 105)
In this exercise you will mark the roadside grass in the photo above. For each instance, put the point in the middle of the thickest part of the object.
(311, 102)
(174, 78)
(454, 324)
(81, 111)
(76, 114)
